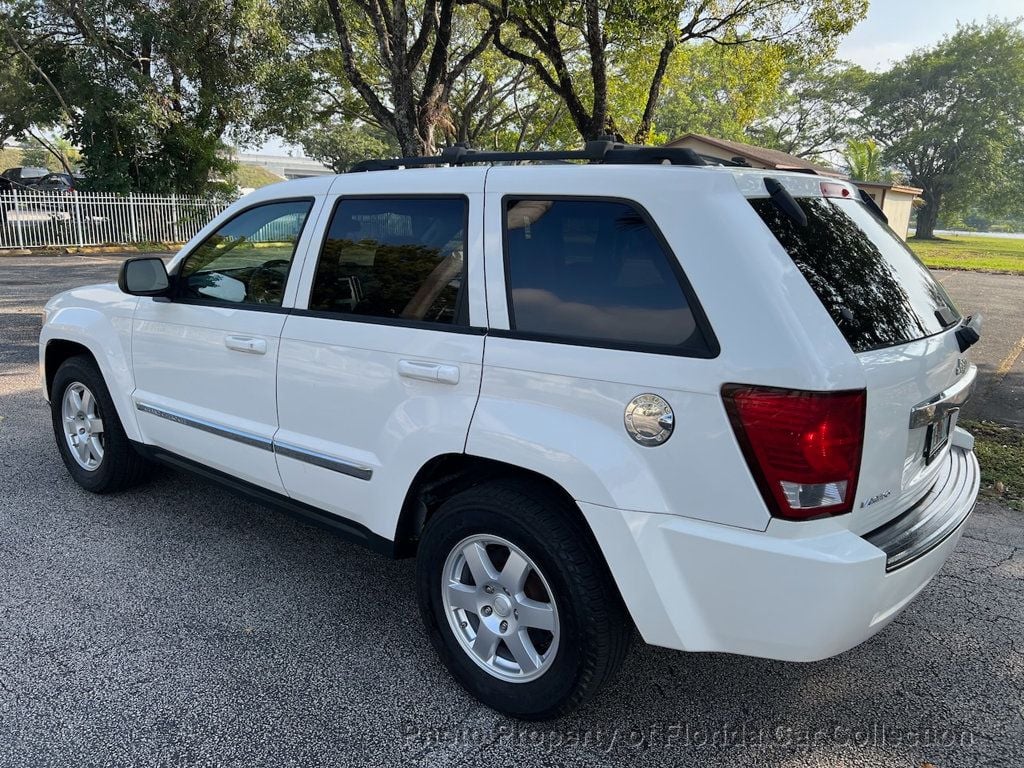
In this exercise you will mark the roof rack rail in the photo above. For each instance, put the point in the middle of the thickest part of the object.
(604, 150)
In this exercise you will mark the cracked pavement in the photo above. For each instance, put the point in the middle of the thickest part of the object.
(177, 625)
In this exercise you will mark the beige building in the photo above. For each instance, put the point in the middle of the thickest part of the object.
(895, 200)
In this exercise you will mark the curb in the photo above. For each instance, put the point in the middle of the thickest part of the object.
(101, 250)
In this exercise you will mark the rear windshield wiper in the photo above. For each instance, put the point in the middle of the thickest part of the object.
(784, 201)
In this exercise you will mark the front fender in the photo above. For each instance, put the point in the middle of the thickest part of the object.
(98, 318)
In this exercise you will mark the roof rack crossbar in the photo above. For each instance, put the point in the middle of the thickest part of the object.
(596, 151)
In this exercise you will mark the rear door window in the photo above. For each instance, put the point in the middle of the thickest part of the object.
(595, 271)
(877, 291)
(399, 259)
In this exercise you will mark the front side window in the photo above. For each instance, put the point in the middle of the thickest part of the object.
(393, 258)
(595, 270)
(246, 261)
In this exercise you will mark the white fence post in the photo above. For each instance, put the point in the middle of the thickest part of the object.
(174, 214)
(131, 216)
(78, 219)
(21, 237)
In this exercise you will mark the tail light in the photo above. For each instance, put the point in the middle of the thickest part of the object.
(803, 448)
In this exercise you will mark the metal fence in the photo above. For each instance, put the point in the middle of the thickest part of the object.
(54, 219)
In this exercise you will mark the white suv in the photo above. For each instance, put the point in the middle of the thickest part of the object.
(486, 366)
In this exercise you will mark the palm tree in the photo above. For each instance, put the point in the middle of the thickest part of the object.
(863, 158)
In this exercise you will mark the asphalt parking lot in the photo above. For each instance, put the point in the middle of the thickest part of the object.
(176, 625)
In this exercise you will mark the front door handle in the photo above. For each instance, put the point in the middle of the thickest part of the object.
(414, 369)
(249, 344)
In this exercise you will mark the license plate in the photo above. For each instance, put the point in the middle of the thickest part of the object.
(938, 435)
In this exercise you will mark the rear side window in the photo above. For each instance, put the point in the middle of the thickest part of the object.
(876, 290)
(595, 271)
(394, 258)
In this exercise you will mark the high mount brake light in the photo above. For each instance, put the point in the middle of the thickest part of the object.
(831, 189)
(803, 448)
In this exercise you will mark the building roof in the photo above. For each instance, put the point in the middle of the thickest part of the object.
(893, 187)
(770, 157)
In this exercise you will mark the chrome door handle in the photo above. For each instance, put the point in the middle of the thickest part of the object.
(248, 344)
(414, 369)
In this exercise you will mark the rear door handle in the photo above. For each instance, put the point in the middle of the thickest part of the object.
(248, 344)
(414, 369)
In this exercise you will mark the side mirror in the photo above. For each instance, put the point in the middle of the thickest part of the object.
(144, 276)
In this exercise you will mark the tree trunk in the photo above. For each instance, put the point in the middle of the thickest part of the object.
(928, 217)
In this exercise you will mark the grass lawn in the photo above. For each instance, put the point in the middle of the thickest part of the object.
(992, 254)
(1001, 455)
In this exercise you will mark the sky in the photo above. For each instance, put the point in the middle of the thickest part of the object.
(894, 28)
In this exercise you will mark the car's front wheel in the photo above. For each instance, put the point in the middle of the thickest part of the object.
(91, 440)
(518, 601)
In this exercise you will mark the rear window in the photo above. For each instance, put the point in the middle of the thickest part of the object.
(876, 290)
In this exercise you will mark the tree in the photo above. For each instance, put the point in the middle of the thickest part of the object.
(147, 90)
(403, 60)
(951, 115)
(578, 50)
(34, 154)
(816, 109)
(863, 158)
(27, 96)
(717, 90)
(340, 145)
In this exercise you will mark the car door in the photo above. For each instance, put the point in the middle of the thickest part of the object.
(204, 361)
(379, 367)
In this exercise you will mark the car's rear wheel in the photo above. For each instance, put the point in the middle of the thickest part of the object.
(91, 440)
(518, 601)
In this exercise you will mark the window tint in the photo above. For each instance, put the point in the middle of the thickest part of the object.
(594, 269)
(247, 260)
(878, 293)
(393, 258)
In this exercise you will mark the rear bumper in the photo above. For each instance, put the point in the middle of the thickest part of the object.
(780, 594)
(935, 517)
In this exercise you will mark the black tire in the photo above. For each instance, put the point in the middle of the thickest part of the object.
(121, 465)
(594, 629)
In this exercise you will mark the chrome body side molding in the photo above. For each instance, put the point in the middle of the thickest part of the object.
(322, 460)
(246, 438)
(258, 441)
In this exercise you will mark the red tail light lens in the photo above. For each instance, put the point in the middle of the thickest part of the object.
(803, 448)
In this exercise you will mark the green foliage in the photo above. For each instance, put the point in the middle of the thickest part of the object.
(147, 91)
(815, 109)
(863, 158)
(35, 155)
(246, 176)
(1000, 452)
(716, 90)
(341, 145)
(608, 61)
(951, 114)
(26, 99)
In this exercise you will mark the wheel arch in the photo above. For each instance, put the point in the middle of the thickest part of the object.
(54, 355)
(447, 474)
(108, 350)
